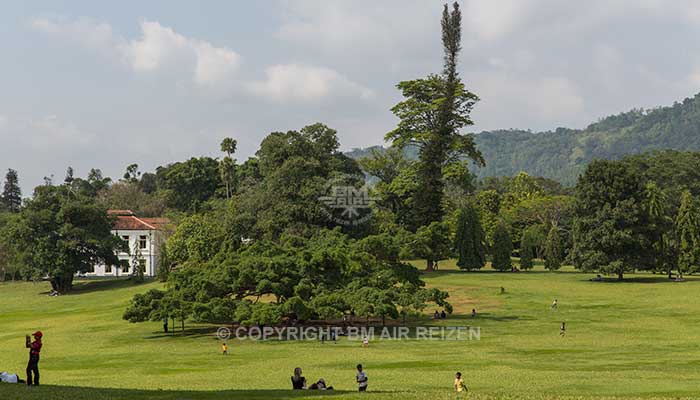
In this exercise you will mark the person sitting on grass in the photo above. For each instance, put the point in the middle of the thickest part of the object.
(6, 377)
(436, 315)
(473, 312)
(320, 385)
(298, 381)
(361, 379)
(459, 383)
(443, 315)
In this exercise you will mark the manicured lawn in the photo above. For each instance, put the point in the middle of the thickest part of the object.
(639, 338)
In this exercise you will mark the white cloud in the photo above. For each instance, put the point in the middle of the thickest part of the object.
(693, 78)
(159, 49)
(542, 100)
(349, 28)
(490, 20)
(49, 132)
(82, 30)
(298, 82)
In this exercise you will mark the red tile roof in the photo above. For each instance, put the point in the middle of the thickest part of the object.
(127, 221)
(157, 222)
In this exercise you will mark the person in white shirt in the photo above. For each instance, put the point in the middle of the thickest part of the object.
(8, 378)
(361, 378)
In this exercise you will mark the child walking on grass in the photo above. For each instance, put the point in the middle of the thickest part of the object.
(460, 386)
(361, 379)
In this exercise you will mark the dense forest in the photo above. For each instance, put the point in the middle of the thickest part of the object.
(563, 154)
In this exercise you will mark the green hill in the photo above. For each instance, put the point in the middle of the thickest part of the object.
(563, 154)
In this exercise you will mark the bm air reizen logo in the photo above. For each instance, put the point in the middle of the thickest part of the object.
(347, 204)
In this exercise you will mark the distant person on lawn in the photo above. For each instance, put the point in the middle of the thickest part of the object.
(459, 383)
(320, 385)
(224, 349)
(562, 330)
(6, 377)
(33, 364)
(555, 304)
(298, 381)
(361, 379)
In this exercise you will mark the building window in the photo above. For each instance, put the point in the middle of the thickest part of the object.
(142, 242)
(124, 264)
(125, 238)
(142, 265)
(108, 269)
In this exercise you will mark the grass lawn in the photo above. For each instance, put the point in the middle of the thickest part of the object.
(636, 339)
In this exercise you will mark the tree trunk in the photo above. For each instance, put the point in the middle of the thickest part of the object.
(66, 283)
(429, 265)
(619, 275)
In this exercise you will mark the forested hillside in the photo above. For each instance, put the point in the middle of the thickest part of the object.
(563, 154)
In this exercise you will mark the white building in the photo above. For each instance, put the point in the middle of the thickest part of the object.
(144, 236)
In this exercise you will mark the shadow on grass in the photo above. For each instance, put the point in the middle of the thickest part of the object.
(12, 392)
(489, 317)
(193, 332)
(642, 279)
(99, 285)
(445, 272)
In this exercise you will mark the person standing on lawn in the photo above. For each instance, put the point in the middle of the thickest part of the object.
(459, 383)
(33, 364)
(361, 379)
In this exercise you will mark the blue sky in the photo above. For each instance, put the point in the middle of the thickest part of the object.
(105, 84)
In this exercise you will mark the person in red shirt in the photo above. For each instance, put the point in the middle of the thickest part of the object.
(33, 364)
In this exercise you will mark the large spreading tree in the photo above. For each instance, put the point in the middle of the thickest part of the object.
(323, 276)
